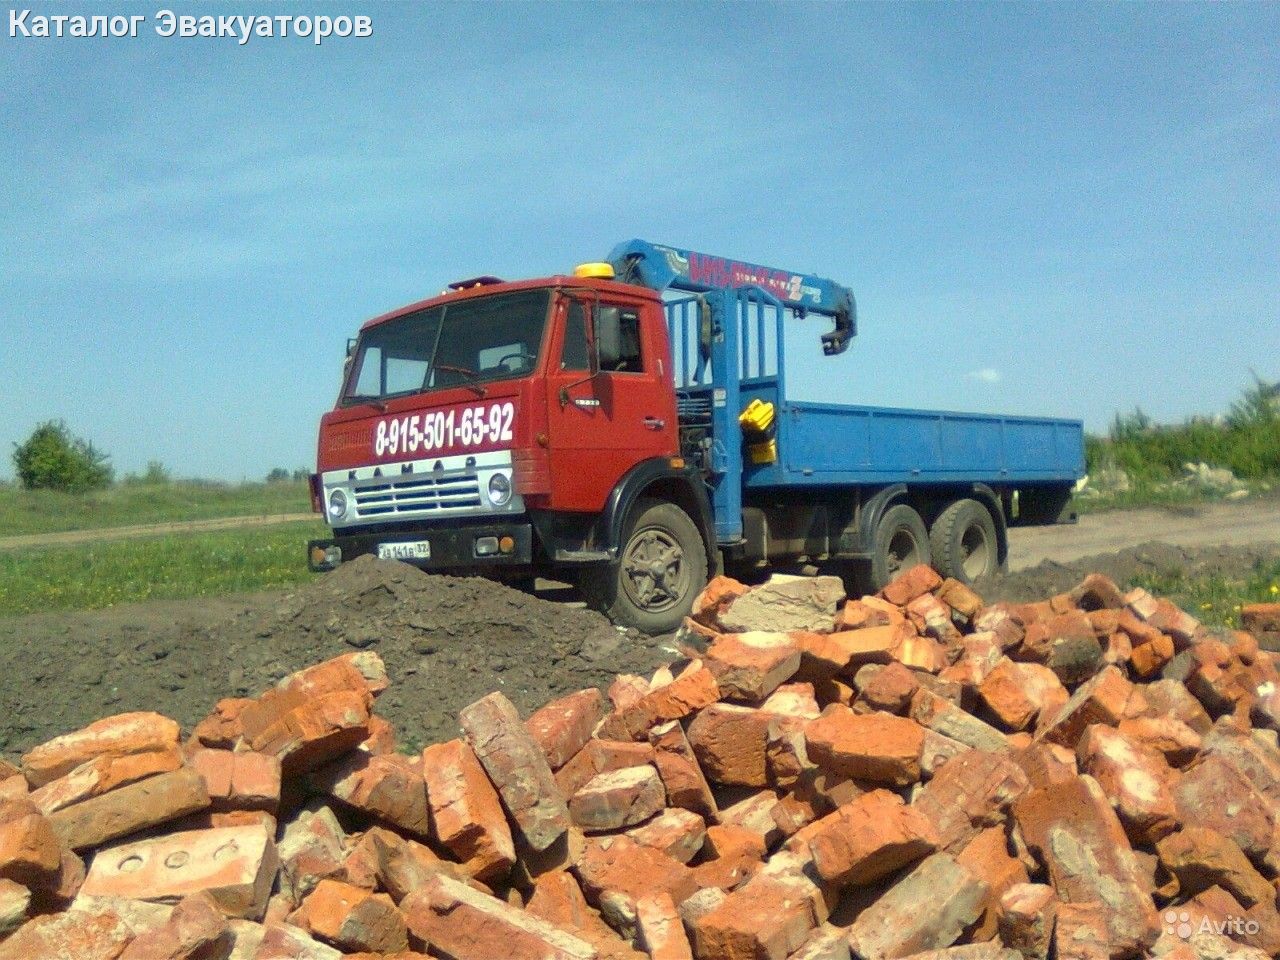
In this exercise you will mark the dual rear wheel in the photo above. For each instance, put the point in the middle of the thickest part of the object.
(961, 544)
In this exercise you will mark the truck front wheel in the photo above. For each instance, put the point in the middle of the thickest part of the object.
(901, 543)
(660, 569)
(964, 542)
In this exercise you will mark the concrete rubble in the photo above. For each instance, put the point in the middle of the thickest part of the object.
(913, 774)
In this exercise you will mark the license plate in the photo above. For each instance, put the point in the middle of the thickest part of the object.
(412, 550)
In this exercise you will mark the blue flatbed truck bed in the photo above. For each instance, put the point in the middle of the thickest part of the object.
(839, 468)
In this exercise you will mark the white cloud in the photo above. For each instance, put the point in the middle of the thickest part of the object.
(985, 375)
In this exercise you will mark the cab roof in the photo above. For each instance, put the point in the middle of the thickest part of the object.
(488, 286)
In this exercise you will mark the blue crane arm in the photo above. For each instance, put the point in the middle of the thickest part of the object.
(660, 268)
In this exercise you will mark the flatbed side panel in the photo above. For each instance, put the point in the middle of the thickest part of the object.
(823, 444)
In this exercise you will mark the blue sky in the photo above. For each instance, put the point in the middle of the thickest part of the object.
(1058, 209)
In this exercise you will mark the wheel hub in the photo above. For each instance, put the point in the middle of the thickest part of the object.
(653, 566)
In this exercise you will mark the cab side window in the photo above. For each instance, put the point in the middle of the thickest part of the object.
(573, 356)
(630, 359)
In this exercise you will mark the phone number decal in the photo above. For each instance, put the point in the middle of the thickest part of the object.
(439, 431)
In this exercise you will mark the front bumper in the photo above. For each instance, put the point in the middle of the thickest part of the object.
(453, 547)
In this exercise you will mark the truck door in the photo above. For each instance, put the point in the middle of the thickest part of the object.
(599, 427)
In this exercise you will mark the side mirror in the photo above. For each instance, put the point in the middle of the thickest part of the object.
(606, 340)
(351, 347)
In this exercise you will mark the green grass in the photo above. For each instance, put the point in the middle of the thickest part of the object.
(170, 567)
(49, 511)
(1217, 600)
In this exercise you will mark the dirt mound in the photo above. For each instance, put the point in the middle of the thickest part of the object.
(446, 642)
(1147, 559)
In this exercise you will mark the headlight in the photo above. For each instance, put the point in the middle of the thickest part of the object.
(337, 505)
(499, 489)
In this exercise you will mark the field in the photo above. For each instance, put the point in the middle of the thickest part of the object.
(105, 573)
(50, 511)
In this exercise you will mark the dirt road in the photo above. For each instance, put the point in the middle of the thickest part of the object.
(1202, 525)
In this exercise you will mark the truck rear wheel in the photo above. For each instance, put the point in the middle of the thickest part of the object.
(964, 542)
(901, 543)
(660, 569)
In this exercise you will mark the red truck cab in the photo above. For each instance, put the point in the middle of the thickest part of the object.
(493, 429)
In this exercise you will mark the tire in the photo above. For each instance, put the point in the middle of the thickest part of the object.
(964, 542)
(901, 543)
(661, 568)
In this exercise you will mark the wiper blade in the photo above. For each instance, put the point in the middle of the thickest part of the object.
(365, 398)
(473, 378)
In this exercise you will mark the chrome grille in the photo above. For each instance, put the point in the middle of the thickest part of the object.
(417, 492)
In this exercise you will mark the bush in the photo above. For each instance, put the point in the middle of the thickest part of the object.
(52, 459)
(1246, 441)
(278, 475)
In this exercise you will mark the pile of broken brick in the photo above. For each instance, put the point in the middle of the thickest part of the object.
(911, 774)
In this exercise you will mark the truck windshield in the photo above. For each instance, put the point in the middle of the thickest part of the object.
(469, 343)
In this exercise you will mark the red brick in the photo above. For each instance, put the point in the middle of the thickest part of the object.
(896, 926)
(960, 598)
(793, 700)
(600, 756)
(1001, 620)
(910, 584)
(388, 788)
(754, 813)
(518, 768)
(1170, 696)
(15, 902)
(118, 736)
(987, 858)
(562, 726)
(729, 742)
(1017, 693)
(194, 931)
(1137, 780)
(616, 872)
(1066, 644)
(677, 833)
(362, 672)
(626, 690)
(222, 728)
(694, 689)
(786, 756)
(868, 612)
(72, 935)
(661, 932)
(126, 810)
(618, 799)
(766, 919)
(685, 782)
(312, 846)
(1082, 932)
(750, 666)
(968, 794)
(868, 838)
(239, 781)
(888, 688)
(1165, 734)
(716, 597)
(29, 851)
(1108, 698)
(877, 747)
(1202, 858)
(303, 731)
(1214, 794)
(1026, 918)
(353, 919)
(941, 715)
(1072, 829)
(384, 860)
(465, 809)
(279, 941)
(236, 866)
(103, 774)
